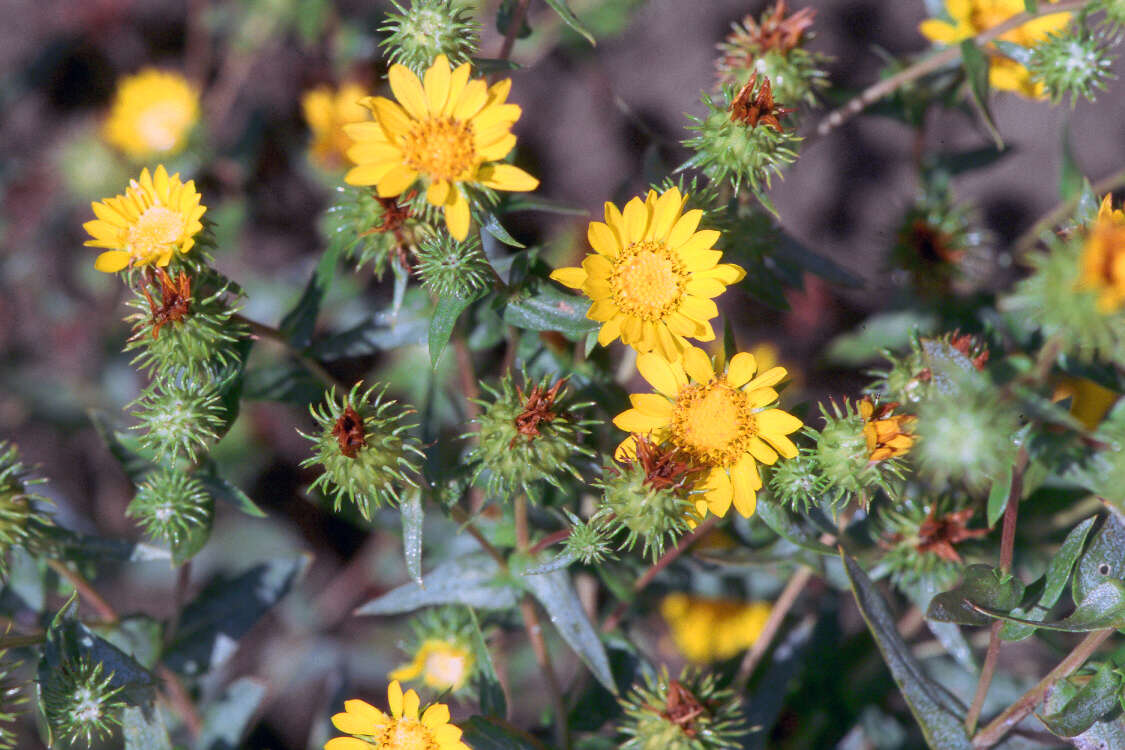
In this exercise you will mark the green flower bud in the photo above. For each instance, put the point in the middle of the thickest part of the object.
(372, 230)
(524, 438)
(799, 482)
(1114, 11)
(21, 518)
(80, 703)
(364, 447)
(449, 268)
(589, 540)
(170, 505)
(12, 701)
(1074, 63)
(924, 539)
(179, 418)
(690, 713)
(428, 28)
(741, 143)
(184, 323)
(853, 460)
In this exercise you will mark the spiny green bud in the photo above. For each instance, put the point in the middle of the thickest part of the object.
(799, 482)
(859, 447)
(80, 702)
(364, 446)
(1114, 11)
(428, 28)
(184, 323)
(588, 541)
(1074, 63)
(966, 436)
(21, 517)
(372, 230)
(740, 138)
(170, 505)
(12, 700)
(523, 438)
(647, 498)
(179, 417)
(690, 713)
(923, 539)
(449, 268)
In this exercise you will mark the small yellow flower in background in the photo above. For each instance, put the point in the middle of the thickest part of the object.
(156, 218)
(709, 630)
(326, 113)
(723, 422)
(652, 277)
(1103, 258)
(152, 114)
(1089, 401)
(888, 435)
(442, 665)
(402, 730)
(970, 17)
(445, 129)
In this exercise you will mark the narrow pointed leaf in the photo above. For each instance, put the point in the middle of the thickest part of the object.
(1094, 700)
(492, 699)
(1058, 573)
(981, 587)
(474, 580)
(571, 20)
(446, 312)
(976, 69)
(1103, 608)
(1104, 559)
(412, 518)
(998, 497)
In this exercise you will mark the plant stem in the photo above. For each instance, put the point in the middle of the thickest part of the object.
(468, 377)
(85, 591)
(1007, 549)
(261, 330)
(515, 23)
(178, 696)
(934, 62)
(1014, 714)
(548, 540)
(1060, 212)
(781, 607)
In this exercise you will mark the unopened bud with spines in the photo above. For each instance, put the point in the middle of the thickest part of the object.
(22, 520)
(179, 418)
(13, 698)
(417, 34)
(449, 268)
(376, 231)
(799, 482)
(689, 713)
(171, 505)
(1075, 63)
(81, 703)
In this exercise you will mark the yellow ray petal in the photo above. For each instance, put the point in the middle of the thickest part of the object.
(436, 715)
(507, 177)
(571, 277)
(698, 308)
(698, 365)
(610, 330)
(408, 91)
(457, 216)
(781, 444)
(684, 228)
(778, 421)
(395, 181)
(761, 451)
(369, 174)
(665, 213)
(394, 698)
(112, 261)
(436, 84)
(665, 377)
(719, 492)
(346, 743)
(632, 420)
(652, 404)
(635, 219)
(602, 239)
(770, 377)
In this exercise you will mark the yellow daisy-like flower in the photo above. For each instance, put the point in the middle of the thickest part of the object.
(401, 730)
(652, 277)
(723, 422)
(326, 113)
(445, 129)
(156, 218)
(1103, 258)
(151, 114)
(442, 665)
(709, 630)
(971, 17)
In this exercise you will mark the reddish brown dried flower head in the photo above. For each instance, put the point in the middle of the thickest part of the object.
(536, 409)
(754, 105)
(776, 31)
(682, 708)
(933, 246)
(349, 432)
(971, 346)
(938, 535)
(664, 466)
(175, 298)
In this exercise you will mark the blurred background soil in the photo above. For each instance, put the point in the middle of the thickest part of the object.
(591, 118)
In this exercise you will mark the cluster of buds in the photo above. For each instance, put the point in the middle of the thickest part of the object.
(364, 446)
(523, 438)
(689, 713)
(416, 35)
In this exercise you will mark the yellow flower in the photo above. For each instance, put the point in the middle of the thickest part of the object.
(402, 730)
(1089, 401)
(442, 664)
(888, 435)
(970, 17)
(708, 630)
(326, 113)
(151, 114)
(157, 217)
(1103, 258)
(722, 421)
(445, 129)
(652, 276)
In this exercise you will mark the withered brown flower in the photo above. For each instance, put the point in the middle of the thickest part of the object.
(175, 298)
(536, 409)
(754, 105)
(349, 432)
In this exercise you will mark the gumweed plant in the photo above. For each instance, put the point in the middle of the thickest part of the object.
(503, 477)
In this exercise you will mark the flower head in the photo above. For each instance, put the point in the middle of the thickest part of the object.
(403, 729)
(326, 113)
(725, 422)
(888, 435)
(171, 505)
(1103, 258)
(443, 664)
(156, 218)
(708, 630)
(151, 114)
(689, 713)
(924, 539)
(417, 34)
(970, 17)
(652, 276)
(444, 129)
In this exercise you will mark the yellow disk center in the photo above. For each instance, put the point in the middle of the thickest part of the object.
(648, 281)
(440, 147)
(161, 125)
(408, 734)
(445, 668)
(152, 233)
(713, 423)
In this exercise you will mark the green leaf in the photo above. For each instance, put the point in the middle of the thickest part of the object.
(497, 230)
(1103, 607)
(556, 593)
(548, 309)
(79, 547)
(981, 587)
(223, 489)
(226, 720)
(998, 497)
(446, 312)
(1094, 700)
(135, 466)
(1058, 573)
(489, 688)
(892, 330)
(299, 323)
(976, 69)
(571, 20)
(474, 580)
(936, 710)
(921, 592)
(1104, 559)
(68, 641)
(793, 250)
(787, 525)
(143, 729)
(489, 733)
(412, 517)
(225, 610)
(1100, 736)
(533, 202)
(1071, 178)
